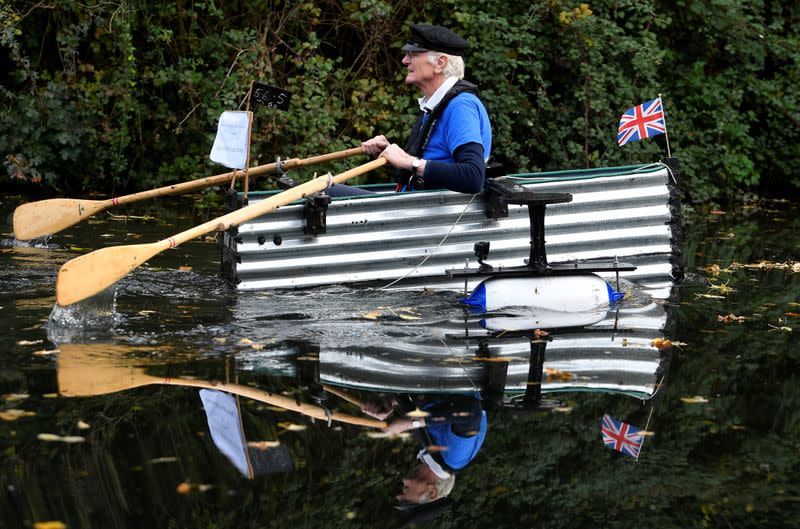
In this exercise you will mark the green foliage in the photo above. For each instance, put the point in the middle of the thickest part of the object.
(127, 95)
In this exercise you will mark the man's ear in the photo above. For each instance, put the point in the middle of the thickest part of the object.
(432, 493)
(441, 62)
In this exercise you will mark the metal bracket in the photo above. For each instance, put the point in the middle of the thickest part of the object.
(315, 215)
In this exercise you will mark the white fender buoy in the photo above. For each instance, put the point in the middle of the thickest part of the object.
(573, 293)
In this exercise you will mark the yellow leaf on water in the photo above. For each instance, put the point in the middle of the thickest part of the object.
(661, 343)
(10, 397)
(694, 400)
(52, 524)
(563, 409)
(292, 427)
(82, 425)
(730, 318)
(245, 341)
(29, 342)
(45, 353)
(184, 268)
(263, 445)
(14, 414)
(48, 437)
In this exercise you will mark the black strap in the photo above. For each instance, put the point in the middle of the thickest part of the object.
(422, 131)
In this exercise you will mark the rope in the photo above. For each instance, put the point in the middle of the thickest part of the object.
(446, 235)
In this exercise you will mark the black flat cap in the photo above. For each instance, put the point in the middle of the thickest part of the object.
(426, 37)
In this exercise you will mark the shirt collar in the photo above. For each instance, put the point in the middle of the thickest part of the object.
(427, 104)
(435, 467)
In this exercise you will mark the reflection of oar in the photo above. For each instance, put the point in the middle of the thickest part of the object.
(343, 395)
(46, 217)
(92, 273)
(81, 374)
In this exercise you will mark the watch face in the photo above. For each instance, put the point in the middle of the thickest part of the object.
(415, 163)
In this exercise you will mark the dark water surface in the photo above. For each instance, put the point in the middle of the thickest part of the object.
(97, 432)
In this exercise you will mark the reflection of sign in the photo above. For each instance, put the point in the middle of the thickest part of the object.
(222, 412)
(232, 142)
(270, 96)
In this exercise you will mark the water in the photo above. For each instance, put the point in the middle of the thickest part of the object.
(720, 404)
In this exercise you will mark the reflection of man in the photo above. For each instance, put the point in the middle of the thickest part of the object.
(451, 429)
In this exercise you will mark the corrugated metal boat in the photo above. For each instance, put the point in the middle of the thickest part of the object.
(410, 240)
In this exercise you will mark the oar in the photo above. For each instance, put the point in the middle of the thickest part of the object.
(92, 273)
(352, 399)
(46, 217)
(83, 374)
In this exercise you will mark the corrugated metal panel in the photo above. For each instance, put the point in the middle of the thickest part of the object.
(613, 355)
(622, 213)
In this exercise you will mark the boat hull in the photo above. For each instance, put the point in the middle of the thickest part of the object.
(410, 240)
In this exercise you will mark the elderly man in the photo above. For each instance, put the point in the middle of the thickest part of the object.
(450, 429)
(452, 138)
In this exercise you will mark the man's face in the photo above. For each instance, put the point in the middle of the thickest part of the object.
(420, 70)
(417, 484)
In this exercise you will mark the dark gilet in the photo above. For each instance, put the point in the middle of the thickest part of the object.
(422, 132)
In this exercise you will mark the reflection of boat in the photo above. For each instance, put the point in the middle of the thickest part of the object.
(619, 353)
(629, 213)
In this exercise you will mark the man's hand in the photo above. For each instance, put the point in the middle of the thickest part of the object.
(403, 424)
(397, 157)
(375, 146)
(380, 409)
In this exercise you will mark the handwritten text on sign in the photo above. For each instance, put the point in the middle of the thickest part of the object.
(270, 96)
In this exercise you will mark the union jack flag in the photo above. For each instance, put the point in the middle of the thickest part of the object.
(640, 122)
(621, 436)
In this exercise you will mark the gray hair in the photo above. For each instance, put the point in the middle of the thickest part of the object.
(443, 486)
(455, 64)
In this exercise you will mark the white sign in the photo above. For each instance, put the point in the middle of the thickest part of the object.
(222, 412)
(232, 141)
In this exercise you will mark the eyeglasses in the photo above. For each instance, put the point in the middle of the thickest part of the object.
(412, 54)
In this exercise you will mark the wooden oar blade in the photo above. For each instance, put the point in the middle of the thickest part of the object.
(92, 369)
(46, 217)
(90, 274)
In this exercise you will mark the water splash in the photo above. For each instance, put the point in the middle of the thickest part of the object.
(39, 242)
(92, 316)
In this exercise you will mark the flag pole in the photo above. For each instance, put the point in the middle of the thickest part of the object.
(249, 131)
(666, 134)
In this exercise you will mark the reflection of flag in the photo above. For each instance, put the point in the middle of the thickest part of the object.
(640, 122)
(621, 436)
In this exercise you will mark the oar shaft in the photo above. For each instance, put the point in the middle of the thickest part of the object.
(281, 401)
(267, 205)
(209, 181)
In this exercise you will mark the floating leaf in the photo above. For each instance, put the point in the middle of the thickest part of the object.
(563, 409)
(417, 413)
(184, 268)
(29, 342)
(52, 524)
(245, 341)
(729, 318)
(292, 427)
(12, 397)
(263, 445)
(82, 425)
(166, 459)
(45, 352)
(661, 343)
(554, 375)
(14, 414)
(694, 400)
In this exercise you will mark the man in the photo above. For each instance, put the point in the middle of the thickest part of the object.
(452, 138)
(451, 430)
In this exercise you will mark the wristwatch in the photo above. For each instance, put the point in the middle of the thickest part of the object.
(415, 163)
